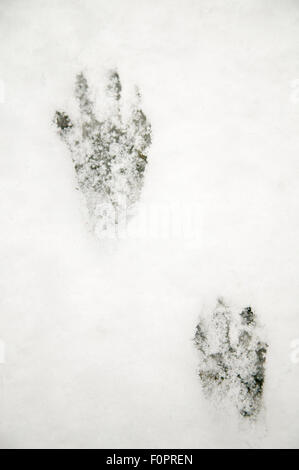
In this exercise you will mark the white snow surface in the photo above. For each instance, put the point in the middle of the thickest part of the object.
(98, 333)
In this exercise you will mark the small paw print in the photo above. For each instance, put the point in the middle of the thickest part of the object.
(232, 358)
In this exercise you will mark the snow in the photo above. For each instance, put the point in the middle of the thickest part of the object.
(98, 333)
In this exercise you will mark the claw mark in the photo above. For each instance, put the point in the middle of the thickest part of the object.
(233, 367)
(108, 155)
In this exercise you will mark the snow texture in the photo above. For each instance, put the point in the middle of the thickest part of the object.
(98, 335)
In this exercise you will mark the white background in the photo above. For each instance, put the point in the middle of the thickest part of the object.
(98, 334)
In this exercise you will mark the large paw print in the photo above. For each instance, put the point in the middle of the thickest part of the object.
(109, 153)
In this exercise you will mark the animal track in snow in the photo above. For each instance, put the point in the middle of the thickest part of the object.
(109, 154)
(232, 358)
